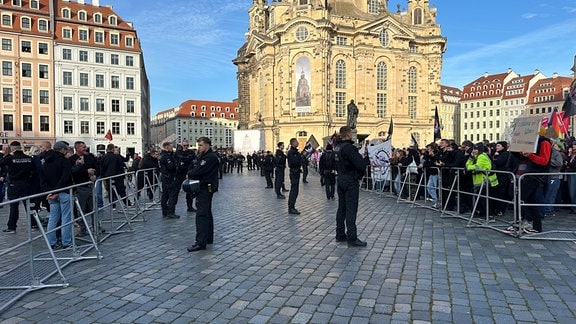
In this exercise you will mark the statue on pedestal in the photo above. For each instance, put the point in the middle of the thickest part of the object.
(352, 115)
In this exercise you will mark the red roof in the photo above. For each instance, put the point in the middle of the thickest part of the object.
(549, 90)
(195, 108)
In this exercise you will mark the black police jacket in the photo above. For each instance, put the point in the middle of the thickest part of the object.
(205, 169)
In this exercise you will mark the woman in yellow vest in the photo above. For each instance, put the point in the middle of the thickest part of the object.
(478, 164)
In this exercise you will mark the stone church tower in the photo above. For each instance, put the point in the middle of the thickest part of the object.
(305, 60)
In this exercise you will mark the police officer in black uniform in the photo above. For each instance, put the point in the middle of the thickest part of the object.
(351, 168)
(279, 166)
(184, 157)
(20, 173)
(268, 167)
(170, 188)
(205, 169)
(295, 166)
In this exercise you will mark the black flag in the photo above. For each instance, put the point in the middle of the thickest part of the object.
(390, 129)
(437, 126)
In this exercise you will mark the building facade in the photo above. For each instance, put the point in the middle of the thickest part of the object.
(91, 78)
(195, 118)
(449, 112)
(304, 61)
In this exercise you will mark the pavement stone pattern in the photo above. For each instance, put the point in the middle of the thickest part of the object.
(267, 266)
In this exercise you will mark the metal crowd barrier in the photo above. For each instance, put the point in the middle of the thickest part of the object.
(511, 222)
(28, 263)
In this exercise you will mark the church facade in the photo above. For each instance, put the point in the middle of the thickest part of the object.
(305, 61)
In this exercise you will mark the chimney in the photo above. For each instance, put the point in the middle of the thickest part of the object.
(81, 1)
(554, 75)
(96, 3)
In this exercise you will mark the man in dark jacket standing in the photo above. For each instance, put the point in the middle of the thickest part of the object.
(184, 157)
(84, 169)
(351, 167)
(112, 165)
(20, 173)
(205, 169)
(170, 188)
(279, 166)
(295, 167)
(268, 168)
(57, 174)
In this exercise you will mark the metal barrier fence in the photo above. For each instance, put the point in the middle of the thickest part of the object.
(454, 194)
(28, 261)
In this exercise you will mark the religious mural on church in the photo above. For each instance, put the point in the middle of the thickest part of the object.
(303, 100)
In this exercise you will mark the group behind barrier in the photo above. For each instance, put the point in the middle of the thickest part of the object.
(465, 201)
(30, 261)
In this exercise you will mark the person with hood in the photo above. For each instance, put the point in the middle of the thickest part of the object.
(479, 164)
(149, 165)
(501, 162)
(57, 174)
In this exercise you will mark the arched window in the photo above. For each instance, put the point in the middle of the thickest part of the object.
(382, 76)
(65, 13)
(418, 16)
(82, 15)
(341, 74)
(97, 18)
(113, 20)
(412, 80)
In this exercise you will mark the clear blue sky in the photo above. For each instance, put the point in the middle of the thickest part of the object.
(189, 45)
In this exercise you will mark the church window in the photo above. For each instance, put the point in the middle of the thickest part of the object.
(382, 76)
(373, 6)
(341, 74)
(384, 38)
(412, 80)
(340, 102)
(301, 34)
(412, 104)
(381, 104)
(418, 16)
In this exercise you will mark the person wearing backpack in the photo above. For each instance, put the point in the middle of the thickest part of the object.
(327, 167)
(554, 180)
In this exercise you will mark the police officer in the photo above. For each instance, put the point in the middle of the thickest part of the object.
(184, 157)
(20, 173)
(305, 163)
(205, 169)
(295, 166)
(170, 188)
(351, 167)
(279, 166)
(268, 168)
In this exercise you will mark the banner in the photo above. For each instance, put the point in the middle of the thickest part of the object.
(379, 153)
(525, 133)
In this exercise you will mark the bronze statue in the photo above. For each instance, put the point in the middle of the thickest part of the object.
(352, 115)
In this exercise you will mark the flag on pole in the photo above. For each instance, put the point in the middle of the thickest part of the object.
(414, 142)
(108, 135)
(437, 126)
(390, 129)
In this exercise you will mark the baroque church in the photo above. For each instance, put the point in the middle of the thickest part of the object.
(304, 61)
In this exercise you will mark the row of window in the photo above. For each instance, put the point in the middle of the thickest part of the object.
(68, 104)
(212, 115)
(130, 128)
(8, 95)
(67, 13)
(98, 36)
(27, 123)
(490, 125)
(491, 137)
(98, 81)
(484, 104)
(44, 125)
(83, 56)
(490, 113)
(213, 108)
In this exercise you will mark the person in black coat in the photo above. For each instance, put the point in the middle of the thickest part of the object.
(295, 167)
(57, 174)
(112, 165)
(351, 168)
(205, 169)
(268, 168)
(149, 165)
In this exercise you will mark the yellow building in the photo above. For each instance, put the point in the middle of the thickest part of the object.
(305, 60)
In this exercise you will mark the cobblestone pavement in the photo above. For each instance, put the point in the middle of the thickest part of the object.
(267, 266)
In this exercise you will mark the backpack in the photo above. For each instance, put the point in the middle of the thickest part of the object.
(328, 162)
(556, 160)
